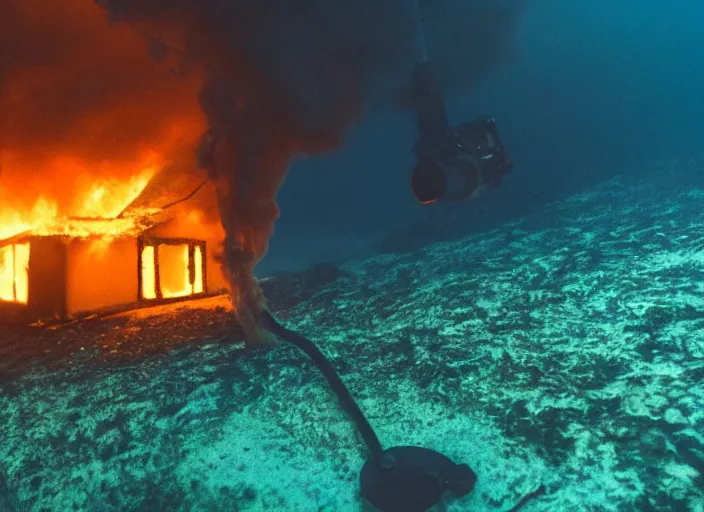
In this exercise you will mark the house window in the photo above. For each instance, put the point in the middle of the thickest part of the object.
(171, 268)
(14, 273)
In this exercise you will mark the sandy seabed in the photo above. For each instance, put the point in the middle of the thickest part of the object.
(565, 348)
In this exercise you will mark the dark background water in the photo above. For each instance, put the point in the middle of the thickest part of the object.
(594, 91)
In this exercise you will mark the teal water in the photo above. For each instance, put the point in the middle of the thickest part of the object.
(565, 348)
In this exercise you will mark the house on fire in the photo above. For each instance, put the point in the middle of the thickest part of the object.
(148, 254)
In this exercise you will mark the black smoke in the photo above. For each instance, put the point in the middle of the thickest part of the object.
(283, 78)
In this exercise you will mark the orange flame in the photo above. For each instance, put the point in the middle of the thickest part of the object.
(148, 273)
(174, 269)
(108, 198)
(88, 117)
(102, 200)
(14, 278)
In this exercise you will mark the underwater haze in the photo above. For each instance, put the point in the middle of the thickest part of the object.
(549, 334)
(594, 90)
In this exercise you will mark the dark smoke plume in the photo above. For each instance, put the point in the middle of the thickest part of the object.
(289, 77)
(83, 102)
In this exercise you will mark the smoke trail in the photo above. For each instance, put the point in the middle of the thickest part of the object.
(80, 101)
(282, 78)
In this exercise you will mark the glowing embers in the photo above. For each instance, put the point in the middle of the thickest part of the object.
(14, 273)
(171, 268)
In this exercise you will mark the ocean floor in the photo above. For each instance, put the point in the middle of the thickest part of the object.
(564, 349)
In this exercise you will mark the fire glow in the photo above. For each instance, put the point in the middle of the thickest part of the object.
(100, 201)
(172, 270)
(89, 120)
(14, 277)
(96, 215)
(169, 249)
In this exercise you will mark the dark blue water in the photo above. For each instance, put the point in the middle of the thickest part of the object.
(594, 91)
(548, 334)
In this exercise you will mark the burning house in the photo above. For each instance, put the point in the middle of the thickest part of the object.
(66, 266)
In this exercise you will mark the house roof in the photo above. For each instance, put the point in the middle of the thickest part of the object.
(86, 228)
(170, 193)
(170, 188)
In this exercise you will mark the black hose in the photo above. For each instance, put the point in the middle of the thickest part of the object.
(531, 495)
(346, 399)
(348, 403)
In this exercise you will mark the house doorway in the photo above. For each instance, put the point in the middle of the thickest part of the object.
(14, 273)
